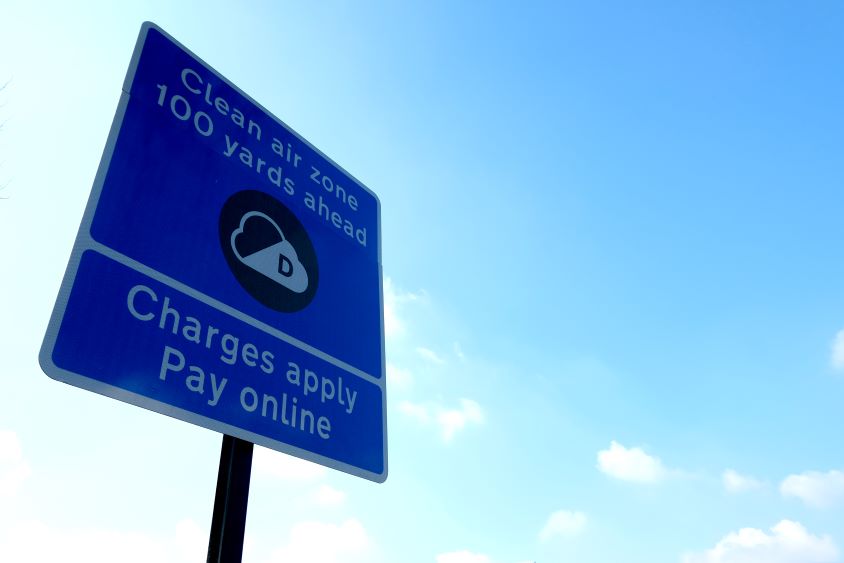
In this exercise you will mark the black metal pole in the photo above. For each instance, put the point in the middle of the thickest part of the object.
(228, 523)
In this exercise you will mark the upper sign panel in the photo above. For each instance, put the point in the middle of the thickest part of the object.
(191, 142)
(205, 198)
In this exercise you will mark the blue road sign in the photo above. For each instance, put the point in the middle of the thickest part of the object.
(226, 272)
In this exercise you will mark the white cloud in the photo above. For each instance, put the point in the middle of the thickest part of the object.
(458, 351)
(191, 540)
(837, 357)
(788, 542)
(399, 377)
(815, 488)
(563, 523)
(453, 420)
(30, 540)
(283, 466)
(630, 464)
(462, 557)
(430, 355)
(320, 542)
(416, 411)
(394, 325)
(14, 469)
(10, 447)
(735, 482)
(33, 541)
(327, 495)
(448, 421)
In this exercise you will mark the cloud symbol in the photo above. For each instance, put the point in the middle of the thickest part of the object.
(260, 244)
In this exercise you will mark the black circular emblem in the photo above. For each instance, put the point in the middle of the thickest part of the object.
(268, 251)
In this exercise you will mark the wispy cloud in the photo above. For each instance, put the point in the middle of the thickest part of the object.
(630, 464)
(321, 542)
(563, 523)
(421, 413)
(820, 490)
(394, 298)
(14, 469)
(285, 467)
(393, 325)
(788, 542)
(32, 541)
(837, 353)
(735, 482)
(452, 421)
(398, 377)
(327, 495)
(429, 355)
(449, 421)
(462, 557)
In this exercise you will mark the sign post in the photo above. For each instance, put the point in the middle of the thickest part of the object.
(228, 523)
(226, 273)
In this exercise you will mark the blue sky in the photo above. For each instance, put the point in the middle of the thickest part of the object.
(613, 282)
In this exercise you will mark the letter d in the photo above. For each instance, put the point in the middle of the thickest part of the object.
(274, 174)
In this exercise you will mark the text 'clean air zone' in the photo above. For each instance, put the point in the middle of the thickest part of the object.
(194, 102)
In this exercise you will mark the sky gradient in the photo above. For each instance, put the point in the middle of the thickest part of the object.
(613, 282)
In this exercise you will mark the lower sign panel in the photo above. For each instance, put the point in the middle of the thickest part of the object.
(143, 342)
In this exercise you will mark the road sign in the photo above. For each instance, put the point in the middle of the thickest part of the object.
(226, 272)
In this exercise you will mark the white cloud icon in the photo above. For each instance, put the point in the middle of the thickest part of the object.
(278, 261)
